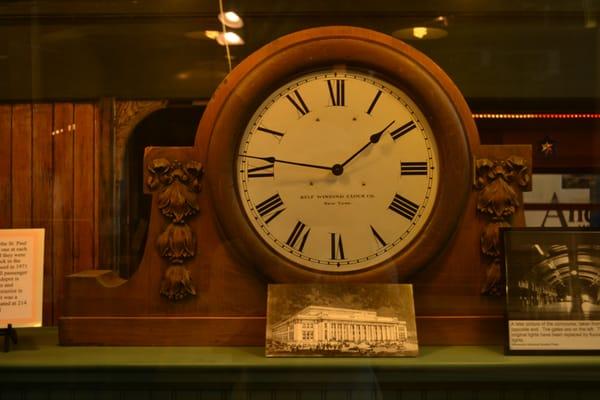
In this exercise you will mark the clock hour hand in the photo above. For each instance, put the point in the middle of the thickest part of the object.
(374, 138)
(273, 160)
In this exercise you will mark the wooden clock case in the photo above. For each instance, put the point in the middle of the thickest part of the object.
(201, 280)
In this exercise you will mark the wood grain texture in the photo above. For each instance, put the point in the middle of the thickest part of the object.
(576, 141)
(105, 255)
(97, 188)
(42, 196)
(63, 195)
(5, 166)
(83, 181)
(166, 331)
(48, 180)
(229, 284)
(249, 331)
(352, 49)
(21, 165)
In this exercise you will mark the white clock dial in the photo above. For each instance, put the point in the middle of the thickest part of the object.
(337, 171)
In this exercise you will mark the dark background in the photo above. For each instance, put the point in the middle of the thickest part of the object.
(518, 54)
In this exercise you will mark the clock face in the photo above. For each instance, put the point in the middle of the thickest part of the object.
(337, 171)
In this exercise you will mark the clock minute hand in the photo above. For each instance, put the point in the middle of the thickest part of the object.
(374, 138)
(273, 160)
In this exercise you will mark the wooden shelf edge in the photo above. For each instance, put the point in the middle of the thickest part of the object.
(249, 330)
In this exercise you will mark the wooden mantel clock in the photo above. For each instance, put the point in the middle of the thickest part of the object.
(332, 154)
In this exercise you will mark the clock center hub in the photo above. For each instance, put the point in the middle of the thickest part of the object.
(337, 169)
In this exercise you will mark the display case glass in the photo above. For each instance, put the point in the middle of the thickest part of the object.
(95, 95)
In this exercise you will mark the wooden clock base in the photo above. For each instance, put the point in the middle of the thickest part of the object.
(230, 302)
(194, 286)
(250, 331)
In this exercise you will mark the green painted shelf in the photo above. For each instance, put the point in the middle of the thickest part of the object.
(37, 365)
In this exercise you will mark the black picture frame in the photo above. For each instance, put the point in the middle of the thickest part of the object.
(552, 290)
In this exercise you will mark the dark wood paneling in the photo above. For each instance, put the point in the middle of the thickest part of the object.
(104, 186)
(5, 166)
(576, 141)
(49, 178)
(63, 182)
(21, 165)
(83, 179)
(63, 195)
(97, 188)
(42, 191)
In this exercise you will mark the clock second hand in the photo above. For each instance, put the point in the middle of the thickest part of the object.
(273, 160)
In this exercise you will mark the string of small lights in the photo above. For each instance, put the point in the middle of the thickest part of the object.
(536, 116)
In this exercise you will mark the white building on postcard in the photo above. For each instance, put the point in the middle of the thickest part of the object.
(320, 325)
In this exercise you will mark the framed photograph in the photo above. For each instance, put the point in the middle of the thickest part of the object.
(341, 320)
(552, 290)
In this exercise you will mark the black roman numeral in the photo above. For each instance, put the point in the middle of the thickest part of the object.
(337, 248)
(413, 168)
(298, 236)
(264, 171)
(372, 106)
(378, 236)
(404, 129)
(298, 102)
(270, 208)
(404, 207)
(337, 94)
(269, 131)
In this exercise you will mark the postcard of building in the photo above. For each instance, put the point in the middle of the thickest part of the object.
(341, 320)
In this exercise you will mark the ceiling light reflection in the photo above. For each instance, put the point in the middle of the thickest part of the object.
(230, 19)
(211, 34)
(229, 38)
(420, 33)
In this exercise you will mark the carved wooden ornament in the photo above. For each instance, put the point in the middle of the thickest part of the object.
(178, 186)
(500, 184)
(232, 264)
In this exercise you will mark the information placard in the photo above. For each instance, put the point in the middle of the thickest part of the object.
(21, 277)
(554, 335)
(552, 296)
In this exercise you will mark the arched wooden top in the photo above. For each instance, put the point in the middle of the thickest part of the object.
(242, 91)
(319, 36)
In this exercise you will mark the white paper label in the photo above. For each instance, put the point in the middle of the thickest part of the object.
(554, 335)
(21, 276)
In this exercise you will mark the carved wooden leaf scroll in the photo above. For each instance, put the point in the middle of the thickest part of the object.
(500, 183)
(177, 243)
(177, 283)
(178, 185)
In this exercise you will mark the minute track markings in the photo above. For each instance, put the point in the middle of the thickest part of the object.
(306, 231)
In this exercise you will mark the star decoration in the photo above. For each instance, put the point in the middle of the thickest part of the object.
(547, 147)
